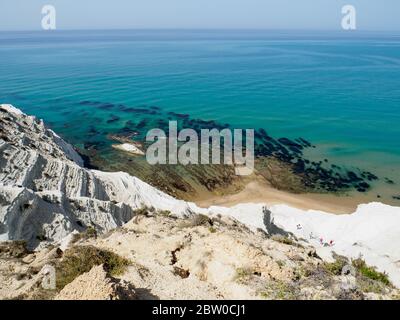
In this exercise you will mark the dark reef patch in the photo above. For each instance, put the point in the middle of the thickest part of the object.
(137, 110)
(317, 176)
(92, 131)
(113, 118)
(389, 181)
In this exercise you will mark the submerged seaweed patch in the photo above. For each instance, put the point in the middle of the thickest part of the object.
(317, 176)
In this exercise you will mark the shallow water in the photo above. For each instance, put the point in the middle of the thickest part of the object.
(339, 91)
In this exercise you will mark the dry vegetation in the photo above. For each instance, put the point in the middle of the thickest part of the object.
(196, 258)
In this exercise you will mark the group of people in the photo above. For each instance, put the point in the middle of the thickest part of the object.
(322, 241)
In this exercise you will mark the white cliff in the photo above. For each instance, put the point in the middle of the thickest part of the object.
(45, 193)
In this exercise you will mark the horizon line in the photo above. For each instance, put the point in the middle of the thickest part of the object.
(204, 29)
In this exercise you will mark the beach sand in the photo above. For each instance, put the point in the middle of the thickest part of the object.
(259, 191)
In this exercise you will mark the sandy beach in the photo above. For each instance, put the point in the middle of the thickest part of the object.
(259, 191)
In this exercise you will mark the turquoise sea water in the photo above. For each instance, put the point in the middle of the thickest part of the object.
(341, 91)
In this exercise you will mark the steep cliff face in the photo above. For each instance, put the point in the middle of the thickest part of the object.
(46, 194)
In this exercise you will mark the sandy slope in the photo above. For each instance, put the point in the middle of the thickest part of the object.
(196, 258)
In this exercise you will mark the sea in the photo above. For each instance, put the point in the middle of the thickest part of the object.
(338, 89)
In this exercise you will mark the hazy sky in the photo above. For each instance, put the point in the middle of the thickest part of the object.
(269, 14)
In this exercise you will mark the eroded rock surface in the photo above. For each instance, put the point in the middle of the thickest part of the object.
(45, 193)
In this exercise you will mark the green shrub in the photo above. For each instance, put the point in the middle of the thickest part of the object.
(243, 273)
(370, 272)
(212, 230)
(335, 267)
(164, 213)
(281, 263)
(82, 259)
(89, 233)
(283, 239)
(280, 290)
